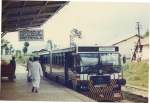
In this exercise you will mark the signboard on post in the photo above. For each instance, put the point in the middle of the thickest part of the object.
(31, 35)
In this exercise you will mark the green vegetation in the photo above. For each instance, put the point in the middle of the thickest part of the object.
(20, 60)
(25, 48)
(136, 73)
(146, 34)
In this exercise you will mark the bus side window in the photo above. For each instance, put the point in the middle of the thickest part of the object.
(70, 58)
(72, 61)
(57, 59)
(48, 60)
(62, 59)
(52, 59)
(43, 58)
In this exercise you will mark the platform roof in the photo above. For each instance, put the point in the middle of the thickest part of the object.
(27, 14)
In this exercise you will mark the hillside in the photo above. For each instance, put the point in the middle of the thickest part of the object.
(136, 73)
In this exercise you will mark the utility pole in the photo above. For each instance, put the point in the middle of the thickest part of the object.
(139, 40)
(138, 27)
(138, 45)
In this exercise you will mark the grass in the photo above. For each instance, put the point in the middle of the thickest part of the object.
(136, 73)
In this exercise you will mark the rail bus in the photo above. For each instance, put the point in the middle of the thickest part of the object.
(94, 70)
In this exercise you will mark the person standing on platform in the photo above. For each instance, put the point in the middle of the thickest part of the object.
(29, 67)
(13, 66)
(37, 73)
(43, 69)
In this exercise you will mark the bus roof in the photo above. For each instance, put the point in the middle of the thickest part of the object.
(89, 49)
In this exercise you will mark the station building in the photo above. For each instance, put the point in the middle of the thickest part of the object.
(128, 45)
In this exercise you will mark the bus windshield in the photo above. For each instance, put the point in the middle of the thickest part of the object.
(87, 59)
(109, 59)
(93, 62)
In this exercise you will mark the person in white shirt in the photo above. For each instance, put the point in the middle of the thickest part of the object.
(37, 73)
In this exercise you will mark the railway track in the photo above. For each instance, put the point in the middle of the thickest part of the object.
(135, 94)
(136, 88)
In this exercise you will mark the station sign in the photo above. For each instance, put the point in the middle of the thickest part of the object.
(31, 35)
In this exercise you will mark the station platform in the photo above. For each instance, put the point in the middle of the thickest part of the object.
(20, 90)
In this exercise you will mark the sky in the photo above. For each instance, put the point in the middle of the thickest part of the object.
(100, 23)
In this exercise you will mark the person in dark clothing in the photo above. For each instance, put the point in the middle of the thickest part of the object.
(29, 67)
(13, 66)
(43, 68)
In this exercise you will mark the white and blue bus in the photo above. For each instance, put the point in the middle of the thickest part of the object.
(95, 70)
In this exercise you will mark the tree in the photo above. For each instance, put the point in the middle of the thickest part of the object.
(25, 48)
(4, 46)
(10, 49)
(6, 49)
(26, 44)
(18, 53)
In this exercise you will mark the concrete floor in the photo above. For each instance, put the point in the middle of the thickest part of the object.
(20, 89)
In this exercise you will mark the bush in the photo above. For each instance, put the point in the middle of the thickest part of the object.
(136, 73)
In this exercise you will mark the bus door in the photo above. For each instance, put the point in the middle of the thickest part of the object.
(68, 67)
